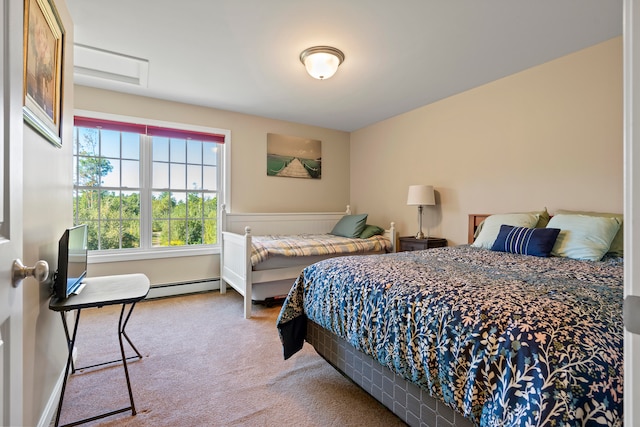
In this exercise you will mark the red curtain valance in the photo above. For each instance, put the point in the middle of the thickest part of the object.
(88, 122)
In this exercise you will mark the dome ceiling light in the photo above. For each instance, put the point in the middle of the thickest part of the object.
(321, 62)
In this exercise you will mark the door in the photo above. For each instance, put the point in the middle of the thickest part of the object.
(10, 211)
(631, 95)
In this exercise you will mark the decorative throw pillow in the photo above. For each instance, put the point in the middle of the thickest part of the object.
(582, 236)
(350, 226)
(491, 226)
(370, 231)
(543, 220)
(617, 244)
(526, 241)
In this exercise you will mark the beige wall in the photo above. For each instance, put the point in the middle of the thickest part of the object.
(548, 136)
(251, 189)
(47, 212)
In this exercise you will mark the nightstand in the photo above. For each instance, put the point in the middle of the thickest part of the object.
(410, 243)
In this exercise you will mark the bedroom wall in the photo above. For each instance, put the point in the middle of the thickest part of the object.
(251, 189)
(550, 136)
(46, 213)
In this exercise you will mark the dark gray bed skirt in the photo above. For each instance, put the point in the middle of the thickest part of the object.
(408, 401)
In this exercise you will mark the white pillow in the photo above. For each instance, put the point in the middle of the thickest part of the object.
(583, 237)
(491, 226)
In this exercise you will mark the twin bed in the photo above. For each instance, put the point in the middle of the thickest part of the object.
(483, 334)
(263, 253)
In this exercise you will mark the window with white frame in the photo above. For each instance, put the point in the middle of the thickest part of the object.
(145, 187)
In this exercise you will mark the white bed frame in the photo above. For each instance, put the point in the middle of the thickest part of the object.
(235, 256)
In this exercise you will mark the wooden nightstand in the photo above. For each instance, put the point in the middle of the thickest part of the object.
(410, 243)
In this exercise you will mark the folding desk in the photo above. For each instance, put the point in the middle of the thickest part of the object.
(125, 289)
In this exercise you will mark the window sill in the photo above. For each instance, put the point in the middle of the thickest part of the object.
(99, 257)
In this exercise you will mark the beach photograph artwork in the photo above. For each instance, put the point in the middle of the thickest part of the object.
(293, 157)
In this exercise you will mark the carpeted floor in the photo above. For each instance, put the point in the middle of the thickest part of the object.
(204, 365)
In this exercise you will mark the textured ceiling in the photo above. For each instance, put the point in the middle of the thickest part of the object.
(242, 55)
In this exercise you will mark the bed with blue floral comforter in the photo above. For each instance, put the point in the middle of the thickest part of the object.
(504, 339)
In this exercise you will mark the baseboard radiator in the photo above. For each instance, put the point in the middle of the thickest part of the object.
(181, 288)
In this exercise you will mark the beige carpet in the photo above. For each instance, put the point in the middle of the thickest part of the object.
(204, 365)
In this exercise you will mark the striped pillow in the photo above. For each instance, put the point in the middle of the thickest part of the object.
(526, 241)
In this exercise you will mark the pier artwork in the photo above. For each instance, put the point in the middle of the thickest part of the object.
(293, 157)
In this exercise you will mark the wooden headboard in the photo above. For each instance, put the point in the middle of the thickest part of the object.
(474, 222)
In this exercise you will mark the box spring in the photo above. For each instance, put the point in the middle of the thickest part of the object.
(409, 402)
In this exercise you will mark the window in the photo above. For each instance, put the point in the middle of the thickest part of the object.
(146, 187)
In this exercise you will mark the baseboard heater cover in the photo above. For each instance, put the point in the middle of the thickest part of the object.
(179, 288)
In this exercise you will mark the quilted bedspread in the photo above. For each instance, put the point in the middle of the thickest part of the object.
(265, 246)
(504, 339)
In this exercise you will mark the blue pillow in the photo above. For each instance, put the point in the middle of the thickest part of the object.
(526, 241)
(583, 236)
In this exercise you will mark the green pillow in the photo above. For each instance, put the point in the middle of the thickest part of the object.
(617, 245)
(583, 237)
(491, 226)
(350, 226)
(370, 231)
(543, 220)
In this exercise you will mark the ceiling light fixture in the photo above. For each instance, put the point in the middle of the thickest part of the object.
(321, 62)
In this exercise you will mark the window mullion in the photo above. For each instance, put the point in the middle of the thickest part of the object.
(146, 167)
(202, 194)
(186, 194)
(121, 190)
(99, 198)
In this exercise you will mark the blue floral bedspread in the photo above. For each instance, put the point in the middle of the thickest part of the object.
(504, 339)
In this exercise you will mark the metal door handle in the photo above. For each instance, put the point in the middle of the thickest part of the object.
(19, 272)
(631, 313)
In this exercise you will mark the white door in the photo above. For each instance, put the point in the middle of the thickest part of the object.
(632, 206)
(10, 211)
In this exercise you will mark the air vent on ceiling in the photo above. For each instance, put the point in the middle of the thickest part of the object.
(92, 65)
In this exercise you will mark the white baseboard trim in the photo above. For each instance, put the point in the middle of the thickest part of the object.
(171, 289)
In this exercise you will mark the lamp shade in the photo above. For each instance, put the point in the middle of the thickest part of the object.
(421, 195)
(321, 62)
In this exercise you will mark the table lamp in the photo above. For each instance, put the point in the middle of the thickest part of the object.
(421, 195)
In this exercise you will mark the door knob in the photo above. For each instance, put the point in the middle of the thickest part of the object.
(19, 272)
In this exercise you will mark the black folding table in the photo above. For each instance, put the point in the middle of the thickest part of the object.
(125, 289)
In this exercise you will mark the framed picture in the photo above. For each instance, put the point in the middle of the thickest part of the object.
(293, 157)
(43, 42)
